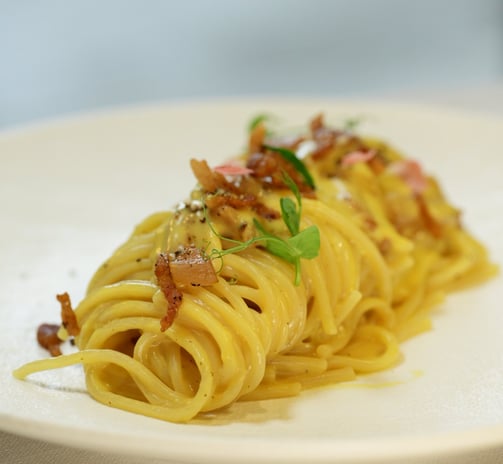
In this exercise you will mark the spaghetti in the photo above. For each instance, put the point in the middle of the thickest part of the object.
(304, 262)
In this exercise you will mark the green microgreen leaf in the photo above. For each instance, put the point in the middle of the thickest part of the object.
(289, 182)
(303, 244)
(281, 248)
(276, 245)
(306, 243)
(289, 212)
(299, 166)
(290, 215)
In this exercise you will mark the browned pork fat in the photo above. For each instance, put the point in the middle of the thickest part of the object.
(167, 285)
(47, 337)
(68, 318)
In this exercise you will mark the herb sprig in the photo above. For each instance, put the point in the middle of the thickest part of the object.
(302, 244)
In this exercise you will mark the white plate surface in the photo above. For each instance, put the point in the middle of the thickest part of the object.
(71, 191)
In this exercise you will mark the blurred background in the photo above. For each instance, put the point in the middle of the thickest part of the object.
(59, 57)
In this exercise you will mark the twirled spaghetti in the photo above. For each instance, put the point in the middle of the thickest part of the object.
(228, 298)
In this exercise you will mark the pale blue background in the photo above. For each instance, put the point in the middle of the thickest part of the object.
(62, 56)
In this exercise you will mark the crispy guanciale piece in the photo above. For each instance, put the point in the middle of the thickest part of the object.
(245, 200)
(190, 268)
(431, 224)
(257, 137)
(229, 199)
(269, 167)
(377, 164)
(224, 193)
(68, 319)
(316, 123)
(211, 180)
(47, 337)
(323, 136)
(168, 287)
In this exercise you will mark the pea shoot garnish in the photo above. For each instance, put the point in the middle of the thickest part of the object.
(302, 244)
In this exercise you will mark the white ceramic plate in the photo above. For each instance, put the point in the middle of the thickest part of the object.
(71, 191)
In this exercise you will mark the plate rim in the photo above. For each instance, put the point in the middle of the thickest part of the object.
(216, 450)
